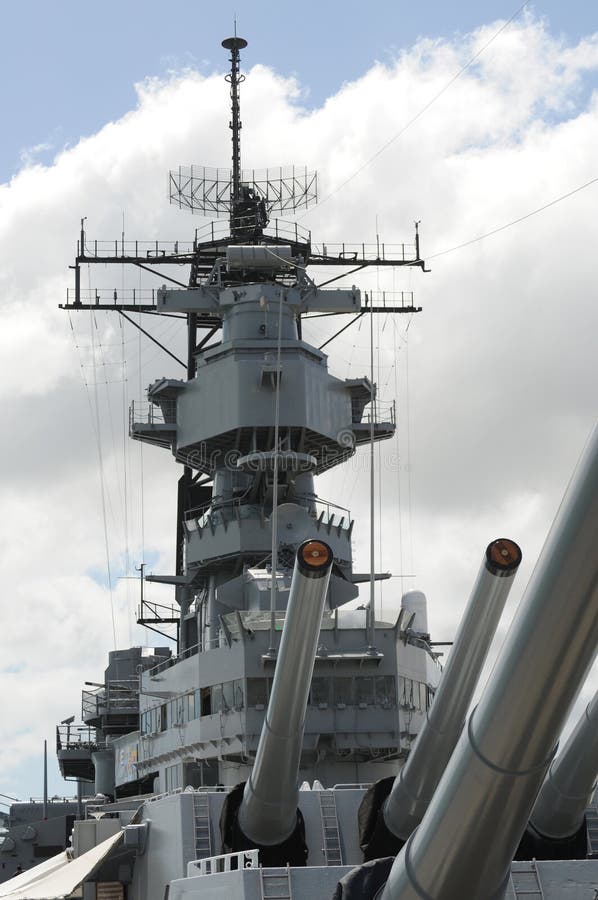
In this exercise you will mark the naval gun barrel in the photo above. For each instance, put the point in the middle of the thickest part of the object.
(559, 812)
(471, 830)
(268, 812)
(415, 784)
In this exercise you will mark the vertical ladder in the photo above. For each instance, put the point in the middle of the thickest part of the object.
(592, 831)
(332, 839)
(525, 881)
(201, 825)
(276, 884)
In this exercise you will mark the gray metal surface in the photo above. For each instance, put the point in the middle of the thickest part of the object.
(415, 784)
(571, 781)
(268, 813)
(467, 839)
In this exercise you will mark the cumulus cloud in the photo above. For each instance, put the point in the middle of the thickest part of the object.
(495, 380)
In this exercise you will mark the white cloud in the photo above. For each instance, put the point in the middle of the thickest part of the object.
(501, 363)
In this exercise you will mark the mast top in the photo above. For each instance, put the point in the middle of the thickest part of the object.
(246, 197)
(234, 43)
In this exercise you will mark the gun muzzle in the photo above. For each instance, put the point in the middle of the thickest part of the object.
(415, 784)
(267, 816)
(469, 835)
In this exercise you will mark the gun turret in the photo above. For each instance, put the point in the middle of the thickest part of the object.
(266, 815)
(471, 830)
(414, 786)
(556, 827)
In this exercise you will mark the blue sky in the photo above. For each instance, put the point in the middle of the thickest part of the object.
(67, 67)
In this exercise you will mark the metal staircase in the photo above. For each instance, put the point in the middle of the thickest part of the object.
(275, 884)
(592, 831)
(201, 825)
(332, 840)
(525, 881)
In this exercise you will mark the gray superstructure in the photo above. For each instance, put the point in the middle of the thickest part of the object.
(274, 754)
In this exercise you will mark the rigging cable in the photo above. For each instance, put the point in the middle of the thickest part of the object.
(141, 503)
(408, 417)
(125, 473)
(379, 443)
(273, 581)
(381, 585)
(82, 373)
(371, 608)
(141, 486)
(102, 485)
(398, 459)
(105, 366)
(424, 109)
(528, 215)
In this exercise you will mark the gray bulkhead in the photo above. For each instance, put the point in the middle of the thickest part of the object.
(363, 714)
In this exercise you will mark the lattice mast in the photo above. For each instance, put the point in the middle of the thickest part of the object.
(235, 44)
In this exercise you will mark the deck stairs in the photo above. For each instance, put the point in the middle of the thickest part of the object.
(592, 831)
(525, 881)
(332, 840)
(201, 825)
(275, 884)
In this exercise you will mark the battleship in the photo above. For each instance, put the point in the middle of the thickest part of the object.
(294, 746)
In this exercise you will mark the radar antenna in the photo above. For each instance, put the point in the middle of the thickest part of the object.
(246, 196)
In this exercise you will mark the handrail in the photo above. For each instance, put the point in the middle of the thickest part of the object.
(213, 644)
(136, 249)
(390, 299)
(73, 737)
(348, 786)
(372, 252)
(224, 862)
(382, 411)
(317, 504)
(103, 296)
(143, 412)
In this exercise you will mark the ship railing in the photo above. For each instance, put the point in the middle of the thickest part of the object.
(170, 793)
(134, 249)
(279, 229)
(225, 862)
(208, 515)
(206, 789)
(382, 411)
(287, 231)
(213, 644)
(142, 412)
(391, 300)
(76, 737)
(319, 506)
(372, 252)
(352, 786)
(327, 513)
(214, 232)
(141, 297)
(116, 697)
(216, 512)
(98, 810)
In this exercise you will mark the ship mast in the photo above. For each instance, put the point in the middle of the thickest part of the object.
(263, 262)
(235, 79)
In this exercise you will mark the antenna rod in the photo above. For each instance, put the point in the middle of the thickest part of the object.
(371, 607)
(45, 806)
(235, 44)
